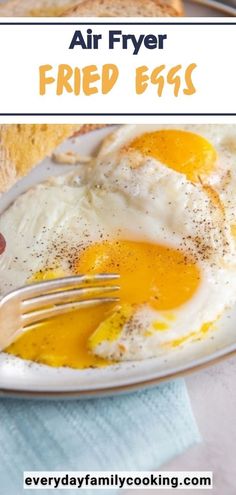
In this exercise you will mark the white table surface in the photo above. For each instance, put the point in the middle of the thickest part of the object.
(213, 397)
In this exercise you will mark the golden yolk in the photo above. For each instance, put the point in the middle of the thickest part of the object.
(162, 277)
(214, 197)
(110, 328)
(200, 335)
(183, 151)
(233, 230)
(160, 325)
(62, 340)
(159, 276)
(48, 274)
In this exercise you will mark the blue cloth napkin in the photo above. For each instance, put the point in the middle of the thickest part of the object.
(139, 431)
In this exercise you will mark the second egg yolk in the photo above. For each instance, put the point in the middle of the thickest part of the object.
(183, 151)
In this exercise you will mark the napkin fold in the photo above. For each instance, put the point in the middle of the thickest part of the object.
(139, 431)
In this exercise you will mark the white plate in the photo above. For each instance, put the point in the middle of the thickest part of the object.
(209, 8)
(19, 377)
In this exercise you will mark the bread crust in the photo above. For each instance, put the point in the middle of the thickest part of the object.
(122, 8)
(74, 8)
(22, 146)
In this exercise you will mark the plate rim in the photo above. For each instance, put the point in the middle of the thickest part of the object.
(216, 6)
(118, 389)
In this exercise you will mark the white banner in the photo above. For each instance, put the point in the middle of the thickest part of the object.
(115, 70)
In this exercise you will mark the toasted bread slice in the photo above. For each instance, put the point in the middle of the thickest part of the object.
(35, 8)
(122, 8)
(90, 8)
(22, 146)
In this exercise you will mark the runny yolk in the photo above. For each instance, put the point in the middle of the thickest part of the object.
(183, 151)
(152, 274)
(156, 275)
(233, 230)
(62, 341)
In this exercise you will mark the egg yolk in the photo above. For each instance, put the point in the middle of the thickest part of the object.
(161, 277)
(62, 340)
(152, 274)
(183, 151)
(233, 230)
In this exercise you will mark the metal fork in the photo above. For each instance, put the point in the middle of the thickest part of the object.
(37, 302)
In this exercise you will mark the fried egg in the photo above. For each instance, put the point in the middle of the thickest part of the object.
(205, 154)
(134, 213)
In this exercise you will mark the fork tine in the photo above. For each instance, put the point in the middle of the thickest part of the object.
(37, 288)
(65, 297)
(38, 316)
